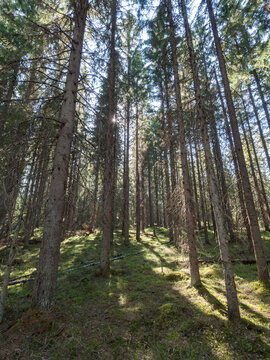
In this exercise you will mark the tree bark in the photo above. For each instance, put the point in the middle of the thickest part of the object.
(115, 176)
(233, 307)
(259, 126)
(256, 185)
(195, 186)
(156, 194)
(150, 202)
(174, 217)
(108, 179)
(93, 219)
(263, 191)
(257, 79)
(236, 167)
(166, 167)
(126, 178)
(143, 217)
(138, 200)
(163, 194)
(202, 196)
(190, 218)
(45, 282)
(252, 216)
(219, 166)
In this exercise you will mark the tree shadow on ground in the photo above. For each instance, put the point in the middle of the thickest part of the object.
(136, 313)
(211, 299)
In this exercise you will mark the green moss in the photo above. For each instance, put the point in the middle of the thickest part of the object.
(176, 276)
(144, 309)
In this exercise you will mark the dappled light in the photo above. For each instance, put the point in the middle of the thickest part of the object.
(134, 180)
(144, 309)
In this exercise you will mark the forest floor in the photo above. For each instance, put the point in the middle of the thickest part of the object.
(145, 309)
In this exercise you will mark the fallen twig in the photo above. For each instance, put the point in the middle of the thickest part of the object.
(93, 263)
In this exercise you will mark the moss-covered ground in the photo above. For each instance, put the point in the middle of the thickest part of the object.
(145, 309)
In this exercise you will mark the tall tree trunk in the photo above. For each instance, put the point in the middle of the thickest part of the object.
(150, 201)
(166, 167)
(174, 217)
(263, 191)
(190, 217)
(163, 194)
(143, 217)
(236, 166)
(252, 216)
(195, 186)
(219, 164)
(221, 176)
(45, 282)
(14, 161)
(115, 176)
(233, 307)
(156, 194)
(202, 195)
(259, 126)
(11, 256)
(72, 193)
(138, 200)
(93, 219)
(108, 179)
(257, 79)
(126, 179)
(256, 184)
(41, 190)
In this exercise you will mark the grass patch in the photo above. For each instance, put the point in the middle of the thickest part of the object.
(145, 309)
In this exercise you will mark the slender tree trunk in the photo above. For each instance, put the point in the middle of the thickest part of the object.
(259, 126)
(138, 199)
(36, 194)
(233, 307)
(256, 185)
(115, 176)
(143, 217)
(150, 204)
(12, 254)
(45, 282)
(9, 184)
(171, 157)
(219, 165)
(28, 223)
(195, 186)
(163, 194)
(263, 191)
(221, 177)
(126, 179)
(156, 194)
(252, 216)
(257, 79)
(41, 189)
(202, 197)
(109, 161)
(236, 167)
(166, 168)
(190, 218)
(93, 219)
(72, 194)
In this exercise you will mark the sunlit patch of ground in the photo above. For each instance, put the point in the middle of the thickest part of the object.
(144, 310)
